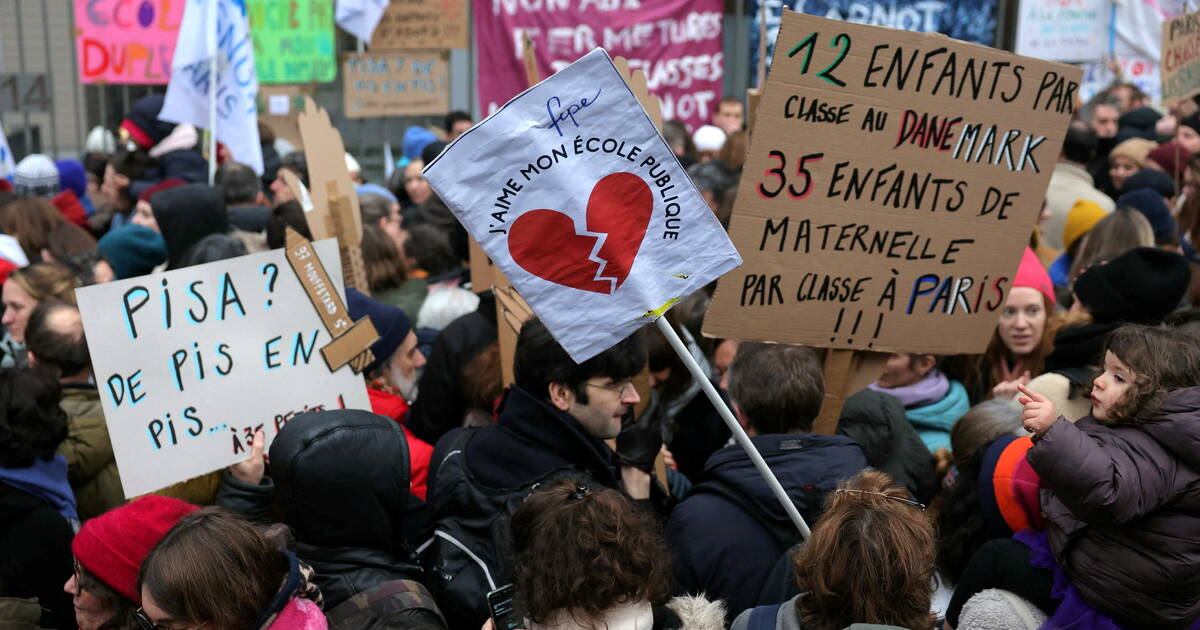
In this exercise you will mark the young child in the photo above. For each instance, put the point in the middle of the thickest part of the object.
(1121, 487)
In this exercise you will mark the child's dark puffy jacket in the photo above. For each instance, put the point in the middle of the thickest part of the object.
(1124, 516)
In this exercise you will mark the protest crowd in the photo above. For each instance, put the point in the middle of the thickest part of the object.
(1051, 481)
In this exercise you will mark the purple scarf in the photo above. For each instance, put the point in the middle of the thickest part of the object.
(928, 390)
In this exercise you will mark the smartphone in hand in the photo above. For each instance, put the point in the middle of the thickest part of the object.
(504, 615)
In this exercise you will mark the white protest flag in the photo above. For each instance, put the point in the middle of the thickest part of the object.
(188, 94)
(7, 164)
(191, 362)
(360, 17)
(571, 190)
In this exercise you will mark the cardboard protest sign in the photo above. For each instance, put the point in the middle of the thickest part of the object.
(126, 42)
(677, 43)
(405, 83)
(423, 24)
(293, 40)
(191, 362)
(1062, 31)
(1180, 58)
(587, 211)
(891, 185)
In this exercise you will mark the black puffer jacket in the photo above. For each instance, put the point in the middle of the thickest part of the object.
(342, 480)
(876, 421)
(1122, 507)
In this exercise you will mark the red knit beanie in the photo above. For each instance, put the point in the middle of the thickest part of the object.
(1032, 274)
(112, 546)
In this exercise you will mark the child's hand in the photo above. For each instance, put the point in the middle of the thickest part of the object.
(1039, 413)
(253, 468)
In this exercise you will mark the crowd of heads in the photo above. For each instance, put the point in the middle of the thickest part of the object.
(606, 492)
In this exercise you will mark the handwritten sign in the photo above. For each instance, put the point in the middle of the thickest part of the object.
(572, 192)
(293, 40)
(1180, 58)
(1076, 30)
(422, 24)
(891, 185)
(677, 43)
(126, 42)
(405, 83)
(967, 20)
(191, 362)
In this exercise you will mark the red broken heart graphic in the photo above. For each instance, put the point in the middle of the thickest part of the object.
(545, 243)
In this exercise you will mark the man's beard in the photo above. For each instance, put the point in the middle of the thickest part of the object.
(407, 387)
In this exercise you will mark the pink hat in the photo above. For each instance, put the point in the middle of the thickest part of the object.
(1032, 274)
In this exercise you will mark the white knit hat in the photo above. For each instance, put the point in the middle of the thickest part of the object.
(995, 609)
(709, 138)
(100, 140)
(36, 176)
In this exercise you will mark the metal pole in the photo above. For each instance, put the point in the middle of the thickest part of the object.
(211, 34)
(739, 434)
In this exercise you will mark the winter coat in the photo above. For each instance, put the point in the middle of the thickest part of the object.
(35, 555)
(876, 422)
(530, 440)
(787, 617)
(353, 524)
(175, 156)
(20, 614)
(722, 550)
(185, 215)
(934, 421)
(683, 613)
(408, 297)
(1069, 184)
(392, 605)
(1122, 507)
(442, 404)
(419, 451)
(91, 467)
(299, 614)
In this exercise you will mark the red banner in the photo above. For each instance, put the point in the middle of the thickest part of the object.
(677, 43)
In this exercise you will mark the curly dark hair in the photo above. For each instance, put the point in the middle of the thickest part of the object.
(869, 560)
(580, 551)
(1162, 359)
(32, 424)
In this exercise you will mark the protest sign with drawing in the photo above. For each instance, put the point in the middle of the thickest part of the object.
(191, 362)
(892, 182)
(588, 211)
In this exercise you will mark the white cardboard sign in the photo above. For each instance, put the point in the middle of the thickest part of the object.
(191, 362)
(572, 192)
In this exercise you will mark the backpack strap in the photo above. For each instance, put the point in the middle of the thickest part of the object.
(783, 532)
(763, 617)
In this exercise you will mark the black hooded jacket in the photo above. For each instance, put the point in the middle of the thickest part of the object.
(724, 551)
(342, 480)
(35, 555)
(185, 215)
(876, 421)
(531, 439)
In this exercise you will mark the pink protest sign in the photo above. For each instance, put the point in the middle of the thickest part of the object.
(676, 42)
(126, 41)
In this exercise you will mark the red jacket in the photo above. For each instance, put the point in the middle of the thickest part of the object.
(419, 452)
(70, 207)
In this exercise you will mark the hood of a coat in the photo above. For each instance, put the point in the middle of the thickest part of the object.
(186, 214)
(1176, 425)
(808, 466)
(342, 479)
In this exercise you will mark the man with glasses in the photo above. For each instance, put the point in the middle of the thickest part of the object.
(553, 421)
(731, 532)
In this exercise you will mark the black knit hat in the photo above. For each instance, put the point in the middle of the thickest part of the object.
(1141, 286)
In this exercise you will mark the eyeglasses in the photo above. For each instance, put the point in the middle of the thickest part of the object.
(880, 494)
(620, 387)
(144, 623)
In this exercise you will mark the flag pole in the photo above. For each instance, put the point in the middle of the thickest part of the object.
(211, 34)
(739, 434)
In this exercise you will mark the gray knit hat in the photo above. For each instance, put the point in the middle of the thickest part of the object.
(36, 176)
